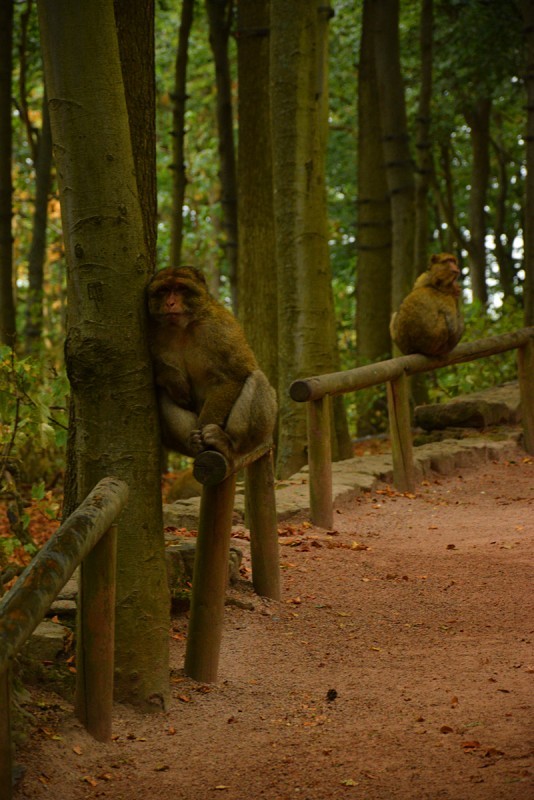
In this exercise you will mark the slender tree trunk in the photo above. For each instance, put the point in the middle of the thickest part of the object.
(503, 239)
(257, 284)
(135, 29)
(43, 182)
(107, 358)
(7, 301)
(305, 304)
(219, 16)
(527, 9)
(397, 156)
(423, 142)
(179, 99)
(478, 119)
(373, 288)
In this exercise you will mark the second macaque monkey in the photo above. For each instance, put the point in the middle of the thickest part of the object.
(429, 320)
(212, 395)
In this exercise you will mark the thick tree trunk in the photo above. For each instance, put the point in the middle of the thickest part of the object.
(107, 358)
(257, 283)
(7, 302)
(299, 126)
(179, 98)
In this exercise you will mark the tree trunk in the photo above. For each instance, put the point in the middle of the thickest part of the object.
(257, 290)
(527, 9)
(504, 238)
(107, 359)
(135, 29)
(423, 141)
(478, 119)
(397, 156)
(299, 125)
(179, 98)
(43, 182)
(7, 301)
(373, 288)
(219, 22)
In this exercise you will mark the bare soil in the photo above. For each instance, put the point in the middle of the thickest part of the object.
(399, 664)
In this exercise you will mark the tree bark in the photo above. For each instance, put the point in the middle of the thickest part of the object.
(36, 261)
(219, 23)
(373, 287)
(179, 99)
(423, 140)
(299, 126)
(107, 358)
(7, 300)
(135, 30)
(397, 156)
(527, 9)
(478, 119)
(257, 251)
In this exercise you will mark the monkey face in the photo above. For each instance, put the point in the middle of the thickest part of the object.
(174, 295)
(444, 272)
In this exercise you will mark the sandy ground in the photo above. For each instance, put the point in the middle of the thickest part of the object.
(399, 664)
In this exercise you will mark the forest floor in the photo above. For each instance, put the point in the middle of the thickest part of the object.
(399, 665)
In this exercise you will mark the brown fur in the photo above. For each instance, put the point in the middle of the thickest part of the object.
(429, 320)
(212, 394)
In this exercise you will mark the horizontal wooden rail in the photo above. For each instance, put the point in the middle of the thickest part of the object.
(26, 603)
(383, 371)
(317, 390)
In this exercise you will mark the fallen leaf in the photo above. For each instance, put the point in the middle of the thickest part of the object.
(89, 780)
(161, 768)
(446, 729)
(473, 745)
(77, 749)
(349, 782)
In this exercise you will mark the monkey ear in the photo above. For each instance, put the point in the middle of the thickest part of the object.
(434, 258)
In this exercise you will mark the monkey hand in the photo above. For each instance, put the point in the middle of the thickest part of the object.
(211, 437)
(196, 442)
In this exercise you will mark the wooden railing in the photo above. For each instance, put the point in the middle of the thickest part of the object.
(395, 372)
(87, 537)
(210, 575)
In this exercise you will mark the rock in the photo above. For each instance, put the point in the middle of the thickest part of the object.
(180, 558)
(46, 642)
(478, 410)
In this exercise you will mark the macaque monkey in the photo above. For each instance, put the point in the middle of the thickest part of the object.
(212, 395)
(429, 319)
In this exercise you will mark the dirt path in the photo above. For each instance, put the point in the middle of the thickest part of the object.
(399, 664)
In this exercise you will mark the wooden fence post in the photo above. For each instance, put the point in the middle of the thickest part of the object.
(320, 462)
(525, 360)
(398, 394)
(210, 579)
(260, 515)
(96, 637)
